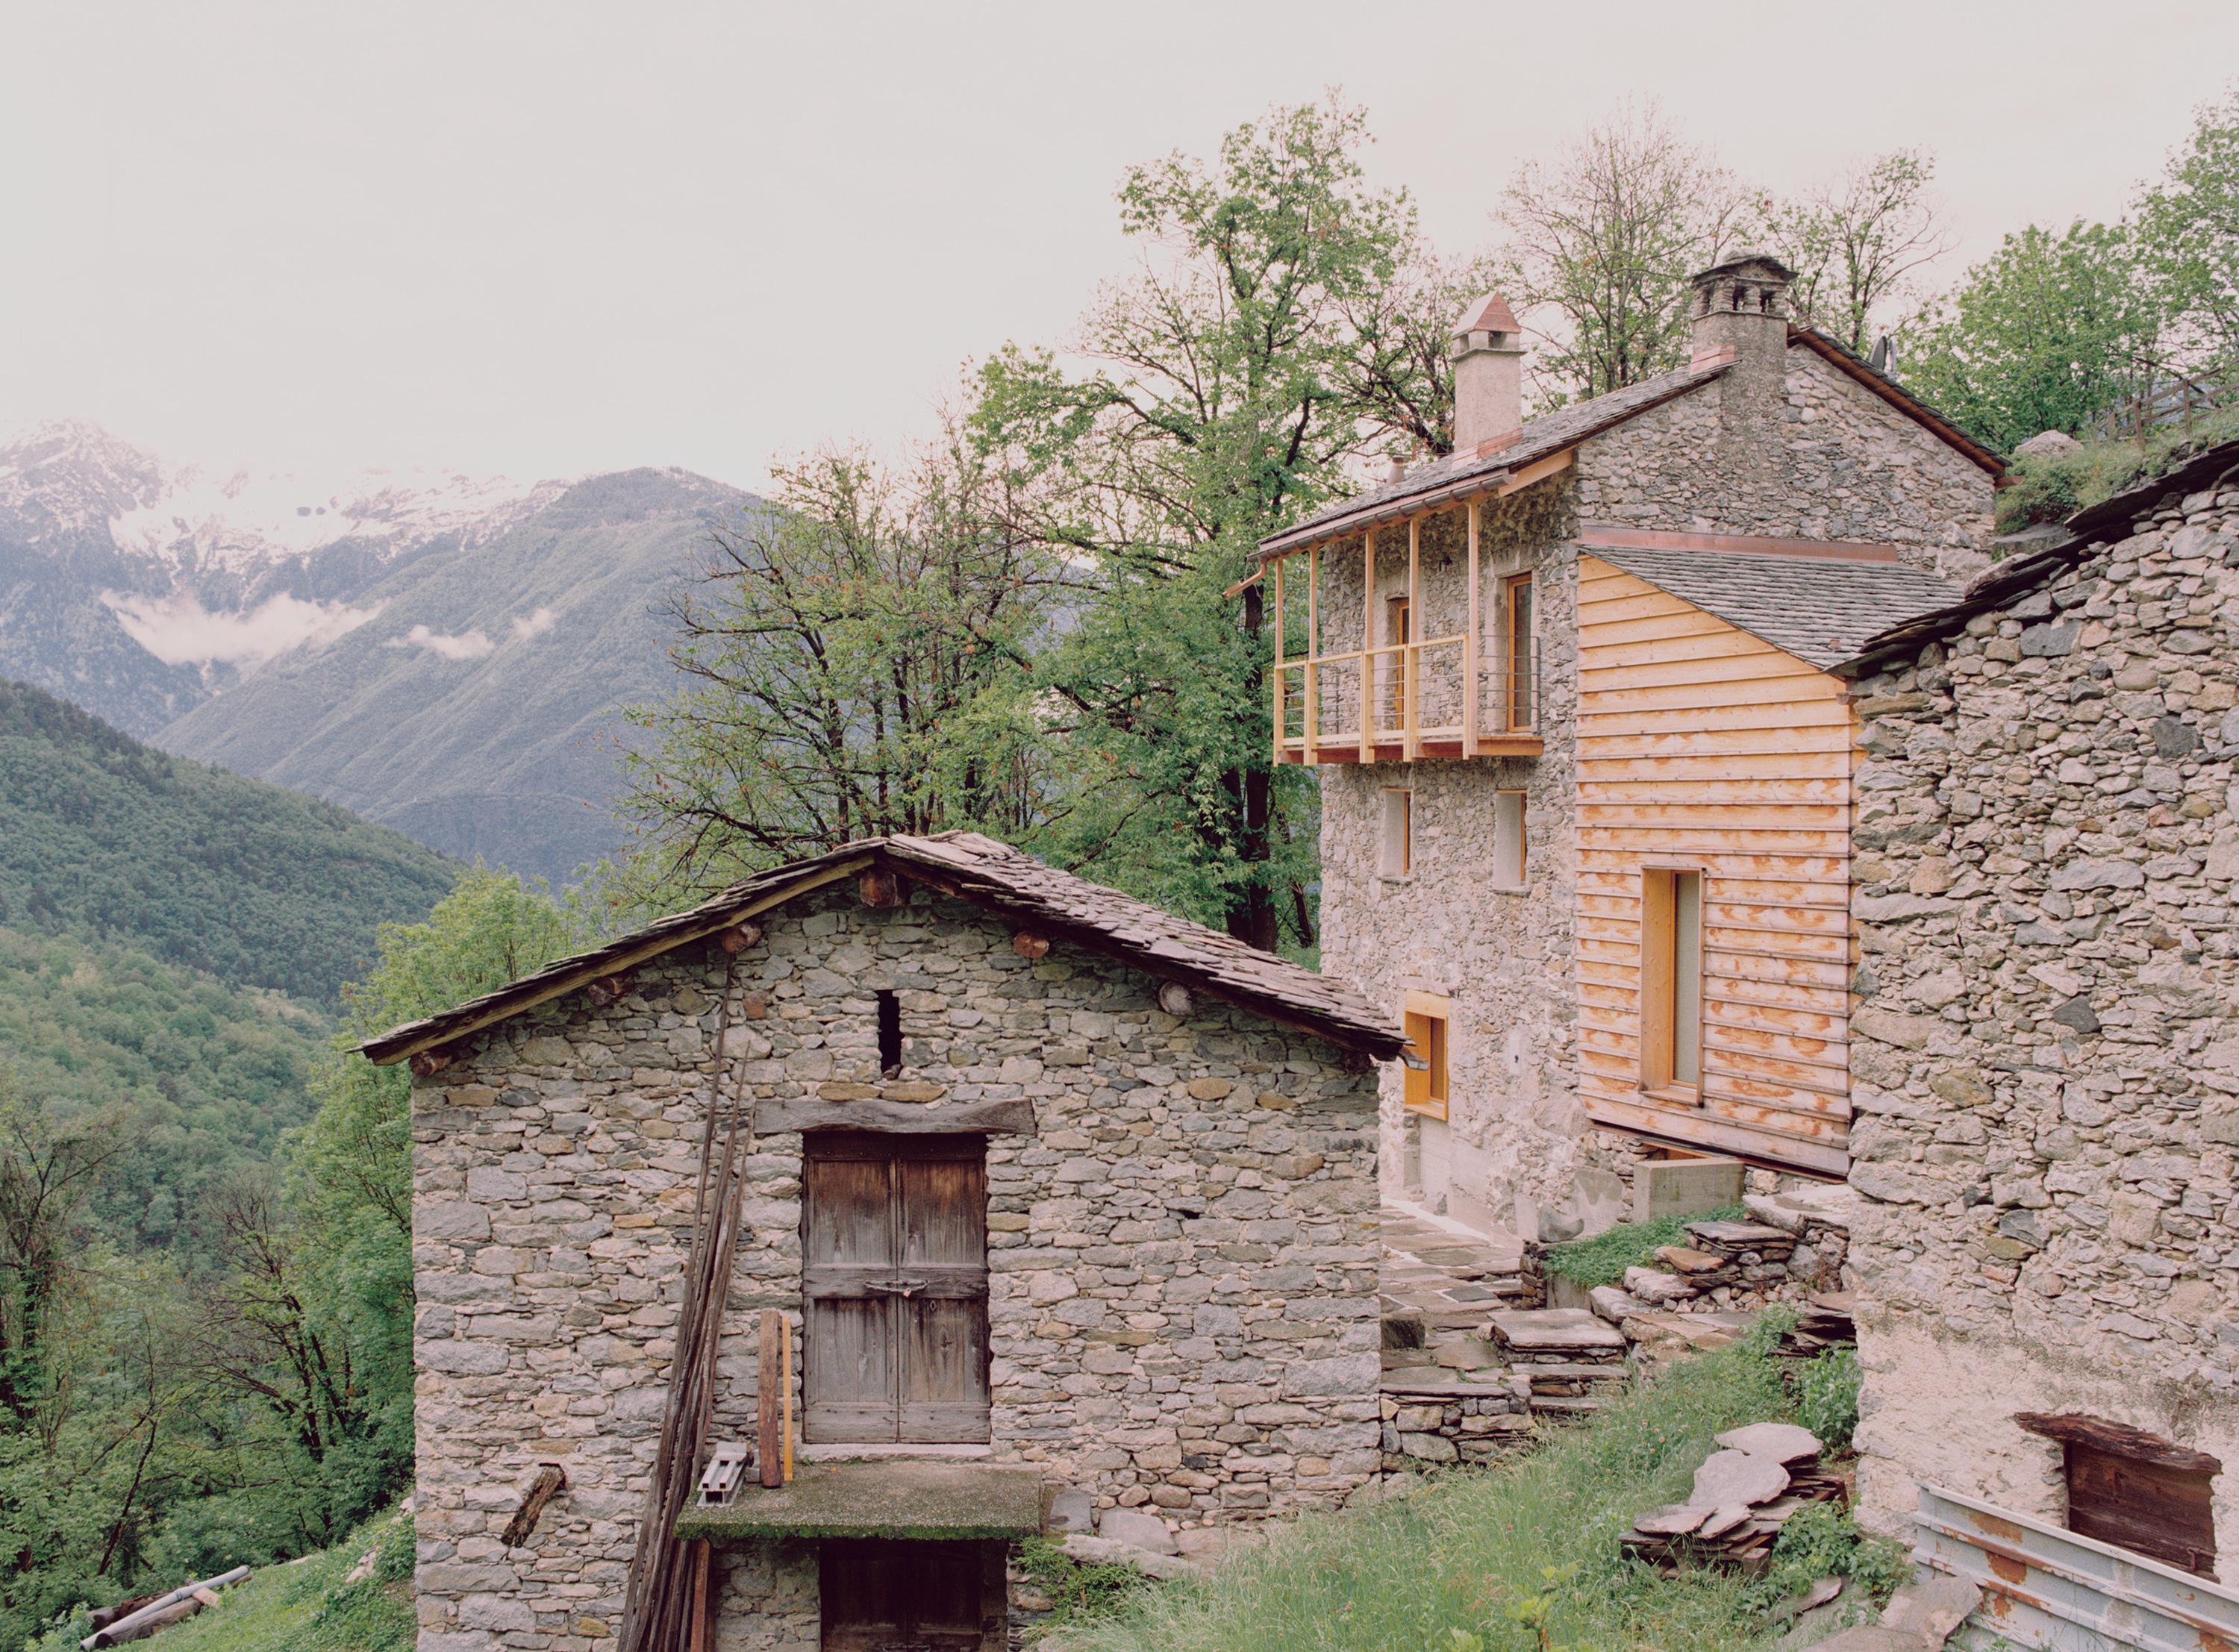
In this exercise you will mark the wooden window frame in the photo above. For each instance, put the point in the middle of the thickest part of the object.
(1660, 884)
(1398, 631)
(2134, 1490)
(1522, 847)
(1405, 857)
(1427, 1089)
(1517, 651)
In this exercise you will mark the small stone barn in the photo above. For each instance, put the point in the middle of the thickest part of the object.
(1069, 1207)
(2044, 1054)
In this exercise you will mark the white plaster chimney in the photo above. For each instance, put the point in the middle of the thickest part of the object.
(1488, 358)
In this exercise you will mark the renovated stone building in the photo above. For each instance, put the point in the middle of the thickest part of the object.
(1067, 1204)
(2045, 1055)
(1586, 771)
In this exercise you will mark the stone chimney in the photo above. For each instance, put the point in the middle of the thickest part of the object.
(1488, 358)
(1741, 311)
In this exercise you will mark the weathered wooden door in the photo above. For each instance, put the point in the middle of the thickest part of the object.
(894, 1288)
(882, 1596)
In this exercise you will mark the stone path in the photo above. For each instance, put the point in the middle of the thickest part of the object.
(1440, 1284)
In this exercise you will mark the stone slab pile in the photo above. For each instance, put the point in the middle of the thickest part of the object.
(1746, 1491)
(1567, 1358)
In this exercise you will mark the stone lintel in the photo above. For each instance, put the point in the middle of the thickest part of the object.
(1014, 1117)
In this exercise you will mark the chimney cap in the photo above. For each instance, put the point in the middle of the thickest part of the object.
(1489, 314)
(1736, 263)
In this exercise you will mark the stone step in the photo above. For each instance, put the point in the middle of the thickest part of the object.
(1556, 1332)
(1610, 1373)
(1564, 1405)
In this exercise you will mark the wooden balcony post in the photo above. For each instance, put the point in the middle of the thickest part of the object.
(1368, 646)
(1314, 653)
(1469, 684)
(1278, 756)
(1411, 657)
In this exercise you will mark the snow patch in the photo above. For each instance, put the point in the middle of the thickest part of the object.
(469, 645)
(179, 631)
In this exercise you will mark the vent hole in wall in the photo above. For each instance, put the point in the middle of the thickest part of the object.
(890, 1034)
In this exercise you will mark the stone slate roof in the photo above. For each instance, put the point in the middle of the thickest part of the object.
(1459, 473)
(990, 874)
(1821, 609)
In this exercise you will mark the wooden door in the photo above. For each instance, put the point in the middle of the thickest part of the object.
(885, 1596)
(894, 1288)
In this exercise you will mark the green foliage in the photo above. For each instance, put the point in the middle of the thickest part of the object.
(1404, 1576)
(2048, 333)
(105, 838)
(1828, 1401)
(1079, 1591)
(1822, 1540)
(2188, 232)
(2050, 489)
(1602, 1260)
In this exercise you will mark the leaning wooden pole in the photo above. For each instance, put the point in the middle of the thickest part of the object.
(666, 1577)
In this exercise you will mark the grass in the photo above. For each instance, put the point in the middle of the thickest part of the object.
(1602, 1260)
(304, 1606)
(2047, 490)
(1482, 1552)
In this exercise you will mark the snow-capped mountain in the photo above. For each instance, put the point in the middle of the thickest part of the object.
(436, 650)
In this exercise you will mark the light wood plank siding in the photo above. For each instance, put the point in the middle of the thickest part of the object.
(1700, 745)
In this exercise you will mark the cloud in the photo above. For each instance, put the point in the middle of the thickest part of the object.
(535, 625)
(179, 631)
(469, 644)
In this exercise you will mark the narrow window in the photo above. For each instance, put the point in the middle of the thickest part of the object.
(1425, 1088)
(2134, 1490)
(1397, 630)
(1671, 983)
(1522, 697)
(890, 1034)
(1508, 839)
(1396, 855)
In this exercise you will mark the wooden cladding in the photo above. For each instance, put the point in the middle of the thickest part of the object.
(894, 1288)
(1713, 904)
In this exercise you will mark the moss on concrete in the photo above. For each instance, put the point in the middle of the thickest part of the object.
(881, 1498)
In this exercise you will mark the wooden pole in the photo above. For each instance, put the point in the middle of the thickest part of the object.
(769, 1413)
(1470, 685)
(1410, 658)
(1277, 755)
(700, 1635)
(1368, 647)
(785, 1338)
(1314, 653)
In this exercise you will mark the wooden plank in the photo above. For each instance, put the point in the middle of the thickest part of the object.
(1714, 1131)
(945, 1396)
(1553, 465)
(1702, 649)
(1649, 628)
(769, 1406)
(849, 1373)
(1014, 1117)
(1741, 667)
(1830, 735)
(1687, 697)
(1603, 768)
(1604, 718)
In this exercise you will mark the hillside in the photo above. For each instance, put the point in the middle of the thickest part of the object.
(112, 842)
(476, 712)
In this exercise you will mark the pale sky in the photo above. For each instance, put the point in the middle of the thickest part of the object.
(544, 239)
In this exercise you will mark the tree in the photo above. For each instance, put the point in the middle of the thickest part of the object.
(834, 644)
(1394, 373)
(2188, 235)
(1225, 401)
(1604, 241)
(2048, 333)
(1855, 244)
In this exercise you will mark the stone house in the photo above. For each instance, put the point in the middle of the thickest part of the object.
(2045, 1055)
(1586, 770)
(1068, 1205)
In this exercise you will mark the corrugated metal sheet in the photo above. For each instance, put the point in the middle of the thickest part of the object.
(2045, 1586)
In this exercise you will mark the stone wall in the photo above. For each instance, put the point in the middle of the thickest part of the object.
(2045, 1059)
(1844, 464)
(1182, 1307)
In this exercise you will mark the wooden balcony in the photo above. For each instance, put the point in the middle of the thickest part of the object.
(1473, 691)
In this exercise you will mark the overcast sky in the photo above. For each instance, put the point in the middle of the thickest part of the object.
(548, 238)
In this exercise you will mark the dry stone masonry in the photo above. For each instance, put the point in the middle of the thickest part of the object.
(2045, 1058)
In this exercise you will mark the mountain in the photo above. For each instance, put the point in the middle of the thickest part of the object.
(439, 652)
(114, 842)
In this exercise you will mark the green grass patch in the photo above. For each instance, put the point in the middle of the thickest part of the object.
(301, 1606)
(1602, 1260)
(1520, 1556)
(2047, 490)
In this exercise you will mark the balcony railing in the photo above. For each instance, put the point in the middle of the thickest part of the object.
(1436, 698)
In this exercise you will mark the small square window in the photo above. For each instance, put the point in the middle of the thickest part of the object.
(1424, 1063)
(1508, 841)
(1396, 851)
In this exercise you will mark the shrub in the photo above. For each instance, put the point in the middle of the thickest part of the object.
(1822, 1540)
(1828, 1402)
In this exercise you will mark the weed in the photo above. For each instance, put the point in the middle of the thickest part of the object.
(1079, 1591)
(1602, 1260)
(1823, 1540)
(1827, 1403)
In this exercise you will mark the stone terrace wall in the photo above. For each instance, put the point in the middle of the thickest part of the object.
(1183, 1306)
(2045, 1061)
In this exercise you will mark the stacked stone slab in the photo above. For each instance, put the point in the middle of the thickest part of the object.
(1727, 1257)
(1567, 1358)
(1744, 1494)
